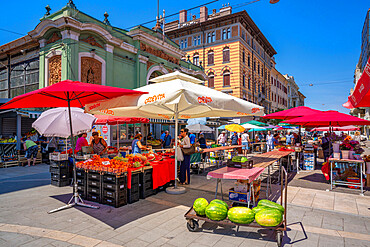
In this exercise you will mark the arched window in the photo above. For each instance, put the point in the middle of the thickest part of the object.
(226, 54)
(226, 76)
(196, 59)
(210, 57)
(211, 80)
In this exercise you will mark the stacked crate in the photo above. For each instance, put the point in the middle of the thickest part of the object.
(114, 189)
(59, 171)
(94, 183)
(133, 194)
(146, 183)
(81, 182)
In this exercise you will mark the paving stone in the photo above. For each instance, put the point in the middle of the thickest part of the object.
(208, 239)
(129, 235)
(308, 240)
(136, 243)
(153, 235)
(38, 242)
(349, 242)
(330, 241)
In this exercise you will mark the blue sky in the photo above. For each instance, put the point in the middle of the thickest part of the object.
(317, 41)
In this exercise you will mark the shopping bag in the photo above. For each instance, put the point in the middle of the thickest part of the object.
(188, 151)
(180, 156)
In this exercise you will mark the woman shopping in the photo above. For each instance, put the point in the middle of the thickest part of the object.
(137, 146)
(81, 142)
(31, 150)
(185, 164)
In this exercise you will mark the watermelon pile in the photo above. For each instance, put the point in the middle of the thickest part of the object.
(266, 213)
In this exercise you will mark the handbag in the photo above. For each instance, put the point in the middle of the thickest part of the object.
(188, 151)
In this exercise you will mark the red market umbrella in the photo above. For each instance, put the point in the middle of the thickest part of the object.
(113, 120)
(344, 128)
(295, 112)
(327, 118)
(361, 95)
(70, 94)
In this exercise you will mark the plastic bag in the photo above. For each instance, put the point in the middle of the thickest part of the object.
(180, 156)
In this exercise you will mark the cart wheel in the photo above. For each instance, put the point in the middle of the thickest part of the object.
(192, 225)
(279, 238)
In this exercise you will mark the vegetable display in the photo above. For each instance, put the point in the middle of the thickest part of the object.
(241, 215)
(269, 217)
(216, 211)
(271, 204)
(200, 206)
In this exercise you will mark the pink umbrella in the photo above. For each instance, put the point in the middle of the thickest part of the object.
(327, 118)
(295, 112)
(344, 128)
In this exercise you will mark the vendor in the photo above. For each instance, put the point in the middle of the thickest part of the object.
(81, 142)
(326, 146)
(222, 138)
(137, 146)
(289, 137)
(98, 144)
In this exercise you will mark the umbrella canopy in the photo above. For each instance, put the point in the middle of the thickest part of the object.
(344, 128)
(55, 122)
(113, 120)
(78, 94)
(251, 130)
(255, 122)
(197, 128)
(328, 118)
(222, 127)
(234, 128)
(295, 112)
(175, 96)
(361, 95)
(251, 126)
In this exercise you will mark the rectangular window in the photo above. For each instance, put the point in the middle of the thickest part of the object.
(249, 83)
(226, 80)
(243, 80)
(224, 34)
(195, 41)
(249, 61)
(243, 56)
(211, 82)
(210, 58)
(228, 33)
(182, 44)
(213, 37)
(209, 38)
(196, 60)
(199, 40)
(226, 55)
(185, 43)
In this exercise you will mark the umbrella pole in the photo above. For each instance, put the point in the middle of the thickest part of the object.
(75, 199)
(176, 190)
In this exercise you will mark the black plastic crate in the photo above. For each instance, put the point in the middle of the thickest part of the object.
(56, 176)
(94, 176)
(59, 170)
(60, 182)
(132, 196)
(81, 181)
(114, 202)
(94, 197)
(93, 183)
(61, 164)
(80, 173)
(82, 191)
(146, 183)
(93, 190)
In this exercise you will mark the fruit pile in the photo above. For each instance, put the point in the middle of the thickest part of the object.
(10, 140)
(104, 165)
(266, 213)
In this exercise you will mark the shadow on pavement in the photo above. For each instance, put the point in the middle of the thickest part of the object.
(8, 185)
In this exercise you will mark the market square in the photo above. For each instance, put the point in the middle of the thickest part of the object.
(197, 128)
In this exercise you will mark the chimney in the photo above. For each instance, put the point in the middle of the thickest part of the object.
(183, 16)
(203, 13)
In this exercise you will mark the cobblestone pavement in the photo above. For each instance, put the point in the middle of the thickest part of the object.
(25, 198)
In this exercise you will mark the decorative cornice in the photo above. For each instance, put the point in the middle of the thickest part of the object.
(68, 22)
(91, 40)
(69, 34)
(157, 43)
(109, 48)
(143, 59)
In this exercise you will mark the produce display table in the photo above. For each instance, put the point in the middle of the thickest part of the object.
(207, 150)
(254, 144)
(266, 160)
(129, 175)
(235, 173)
(347, 163)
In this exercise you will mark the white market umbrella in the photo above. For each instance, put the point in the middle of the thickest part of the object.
(197, 128)
(55, 122)
(177, 96)
(251, 126)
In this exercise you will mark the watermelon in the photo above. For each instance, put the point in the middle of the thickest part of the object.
(220, 202)
(200, 206)
(259, 208)
(240, 159)
(216, 211)
(269, 217)
(271, 204)
(241, 215)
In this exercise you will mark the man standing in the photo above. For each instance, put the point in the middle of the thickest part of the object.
(162, 137)
(192, 138)
(289, 137)
(234, 139)
(167, 140)
(222, 138)
(245, 142)
(269, 141)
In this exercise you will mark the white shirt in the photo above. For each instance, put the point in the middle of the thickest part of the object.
(222, 138)
(186, 142)
(245, 137)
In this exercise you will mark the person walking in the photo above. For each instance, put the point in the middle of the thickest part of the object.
(245, 142)
(192, 138)
(234, 139)
(269, 141)
(185, 164)
(31, 150)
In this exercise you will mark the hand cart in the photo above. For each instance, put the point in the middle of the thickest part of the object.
(193, 219)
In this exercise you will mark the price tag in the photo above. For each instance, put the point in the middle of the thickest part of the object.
(105, 163)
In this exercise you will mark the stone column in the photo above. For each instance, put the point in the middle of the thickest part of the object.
(70, 55)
